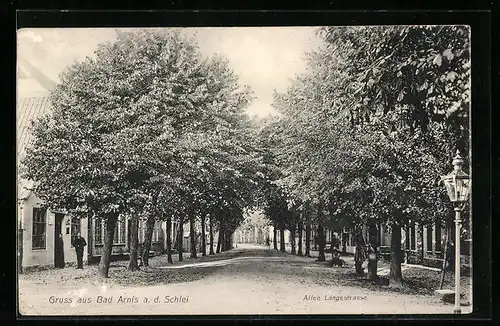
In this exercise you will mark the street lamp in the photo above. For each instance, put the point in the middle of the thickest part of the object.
(457, 185)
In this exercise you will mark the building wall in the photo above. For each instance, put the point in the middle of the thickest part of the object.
(253, 234)
(186, 241)
(287, 236)
(158, 243)
(45, 257)
(428, 244)
(173, 233)
(158, 238)
(95, 248)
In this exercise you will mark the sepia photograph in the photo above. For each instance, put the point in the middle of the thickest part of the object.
(312, 170)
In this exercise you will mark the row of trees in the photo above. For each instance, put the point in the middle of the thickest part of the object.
(148, 128)
(365, 134)
(151, 128)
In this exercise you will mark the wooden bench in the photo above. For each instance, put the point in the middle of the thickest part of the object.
(384, 252)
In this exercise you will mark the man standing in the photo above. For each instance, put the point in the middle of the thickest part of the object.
(79, 243)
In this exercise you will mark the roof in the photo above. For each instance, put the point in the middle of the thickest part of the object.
(32, 103)
(28, 110)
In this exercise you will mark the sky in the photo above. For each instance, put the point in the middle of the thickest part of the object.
(266, 58)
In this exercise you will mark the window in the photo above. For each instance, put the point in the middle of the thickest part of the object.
(119, 235)
(173, 235)
(139, 230)
(156, 232)
(98, 231)
(75, 228)
(407, 238)
(115, 235)
(39, 228)
(123, 224)
(142, 231)
(429, 238)
(412, 238)
(437, 235)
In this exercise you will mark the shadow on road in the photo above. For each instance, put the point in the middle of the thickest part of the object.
(194, 269)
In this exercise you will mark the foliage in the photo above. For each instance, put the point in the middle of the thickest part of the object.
(147, 127)
(372, 125)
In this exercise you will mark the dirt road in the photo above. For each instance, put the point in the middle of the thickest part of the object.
(255, 280)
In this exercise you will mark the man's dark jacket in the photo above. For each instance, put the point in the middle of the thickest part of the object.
(79, 243)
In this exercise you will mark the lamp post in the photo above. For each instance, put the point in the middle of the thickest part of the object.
(457, 184)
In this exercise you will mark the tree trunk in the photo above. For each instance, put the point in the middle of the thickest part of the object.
(192, 236)
(299, 229)
(134, 243)
(308, 239)
(224, 241)
(211, 226)
(282, 237)
(292, 241)
(180, 239)
(359, 255)
(275, 238)
(219, 238)
(227, 241)
(321, 242)
(445, 256)
(169, 240)
(223, 246)
(146, 246)
(395, 276)
(203, 240)
(372, 254)
(109, 232)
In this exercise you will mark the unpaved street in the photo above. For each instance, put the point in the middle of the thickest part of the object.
(254, 280)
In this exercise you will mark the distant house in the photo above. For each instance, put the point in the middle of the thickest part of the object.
(254, 230)
(421, 244)
(121, 240)
(313, 241)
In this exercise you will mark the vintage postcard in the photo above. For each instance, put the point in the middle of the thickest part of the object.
(244, 170)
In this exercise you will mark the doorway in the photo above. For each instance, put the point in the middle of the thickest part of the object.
(58, 242)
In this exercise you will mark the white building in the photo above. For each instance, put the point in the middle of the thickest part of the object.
(38, 226)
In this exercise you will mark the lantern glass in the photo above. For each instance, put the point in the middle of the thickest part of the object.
(449, 184)
(462, 188)
(457, 185)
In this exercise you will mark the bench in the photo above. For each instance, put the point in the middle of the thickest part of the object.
(384, 252)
